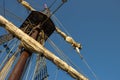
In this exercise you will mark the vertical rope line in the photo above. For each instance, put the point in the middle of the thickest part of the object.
(56, 74)
(34, 69)
(25, 69)
(29, 68)
(90, 69)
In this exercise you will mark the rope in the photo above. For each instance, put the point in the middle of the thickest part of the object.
(88, 66)
(56, 49)
(7, 48)
(43, 68)
(25, 69)
(11, 14)
(30, 63)
(68, 60)
(16, 55)
(2, 53)
(32, 67)
(56, 74)
(7, 66)
(52, 4)
(9, 43)
(8, 55)
(52, 13)
(40, 70)
(62, 55)
(4, 72)
(59, 23)
(5, 38)
(34, 72)
(57, 9)
(10, 51)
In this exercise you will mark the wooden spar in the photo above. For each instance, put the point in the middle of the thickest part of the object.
(26, 5)
(70, 40)
(31, 44)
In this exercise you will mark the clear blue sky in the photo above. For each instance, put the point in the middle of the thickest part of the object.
(93, 23)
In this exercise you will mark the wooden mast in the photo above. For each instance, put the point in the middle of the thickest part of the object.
(32, 45)
(19, 67)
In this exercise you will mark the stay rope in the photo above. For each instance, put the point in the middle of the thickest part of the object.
(88, 66)
(5, 59)
(7, 68)
(85, 62)
(62, 55)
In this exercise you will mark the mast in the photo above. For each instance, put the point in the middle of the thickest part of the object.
(19, 67)
(32, 45)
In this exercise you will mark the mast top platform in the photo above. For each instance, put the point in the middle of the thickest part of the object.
(41, 20)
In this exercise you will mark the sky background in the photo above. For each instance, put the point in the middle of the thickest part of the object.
(93, 23)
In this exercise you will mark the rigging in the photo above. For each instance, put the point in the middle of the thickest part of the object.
(63, 1)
